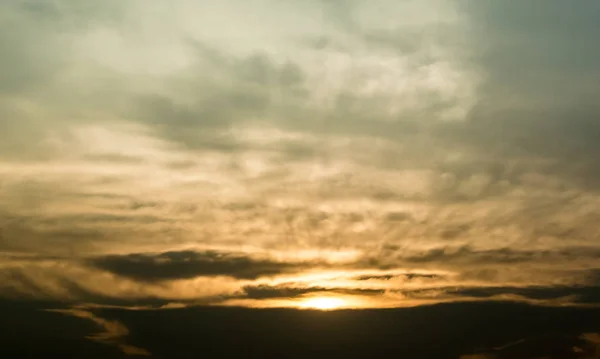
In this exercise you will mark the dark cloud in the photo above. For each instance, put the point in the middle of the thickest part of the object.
(581, 294)
(407, 276)
(190, 264)
(467, 254)
(483, 264)
(284, 291)
(377, 277)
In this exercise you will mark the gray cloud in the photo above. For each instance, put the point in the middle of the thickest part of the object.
(38, 41)
(581, 294)
(501, 256)
(541, 80)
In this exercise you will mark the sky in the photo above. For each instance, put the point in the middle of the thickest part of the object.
(322, 153)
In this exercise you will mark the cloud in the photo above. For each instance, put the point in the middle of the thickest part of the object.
(407, 276)
(190, 264)
(537, 99)
(579, 294)
(287, 291)
(451, 137)
(501, 256)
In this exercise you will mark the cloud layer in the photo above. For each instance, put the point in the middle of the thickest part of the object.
(200, 152)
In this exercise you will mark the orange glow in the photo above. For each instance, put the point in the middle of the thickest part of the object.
(323, 303)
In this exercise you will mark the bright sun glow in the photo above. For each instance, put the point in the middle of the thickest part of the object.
(323, 303)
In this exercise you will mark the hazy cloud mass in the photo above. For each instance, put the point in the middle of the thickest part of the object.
(260, 152)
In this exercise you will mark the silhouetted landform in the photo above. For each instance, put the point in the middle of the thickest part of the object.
(467, 330)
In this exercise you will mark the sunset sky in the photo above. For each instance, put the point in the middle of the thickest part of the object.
(306, 154)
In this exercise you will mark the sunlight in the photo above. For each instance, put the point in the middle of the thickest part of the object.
(323, 303)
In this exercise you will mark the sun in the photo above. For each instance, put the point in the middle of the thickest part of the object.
(323, 303)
